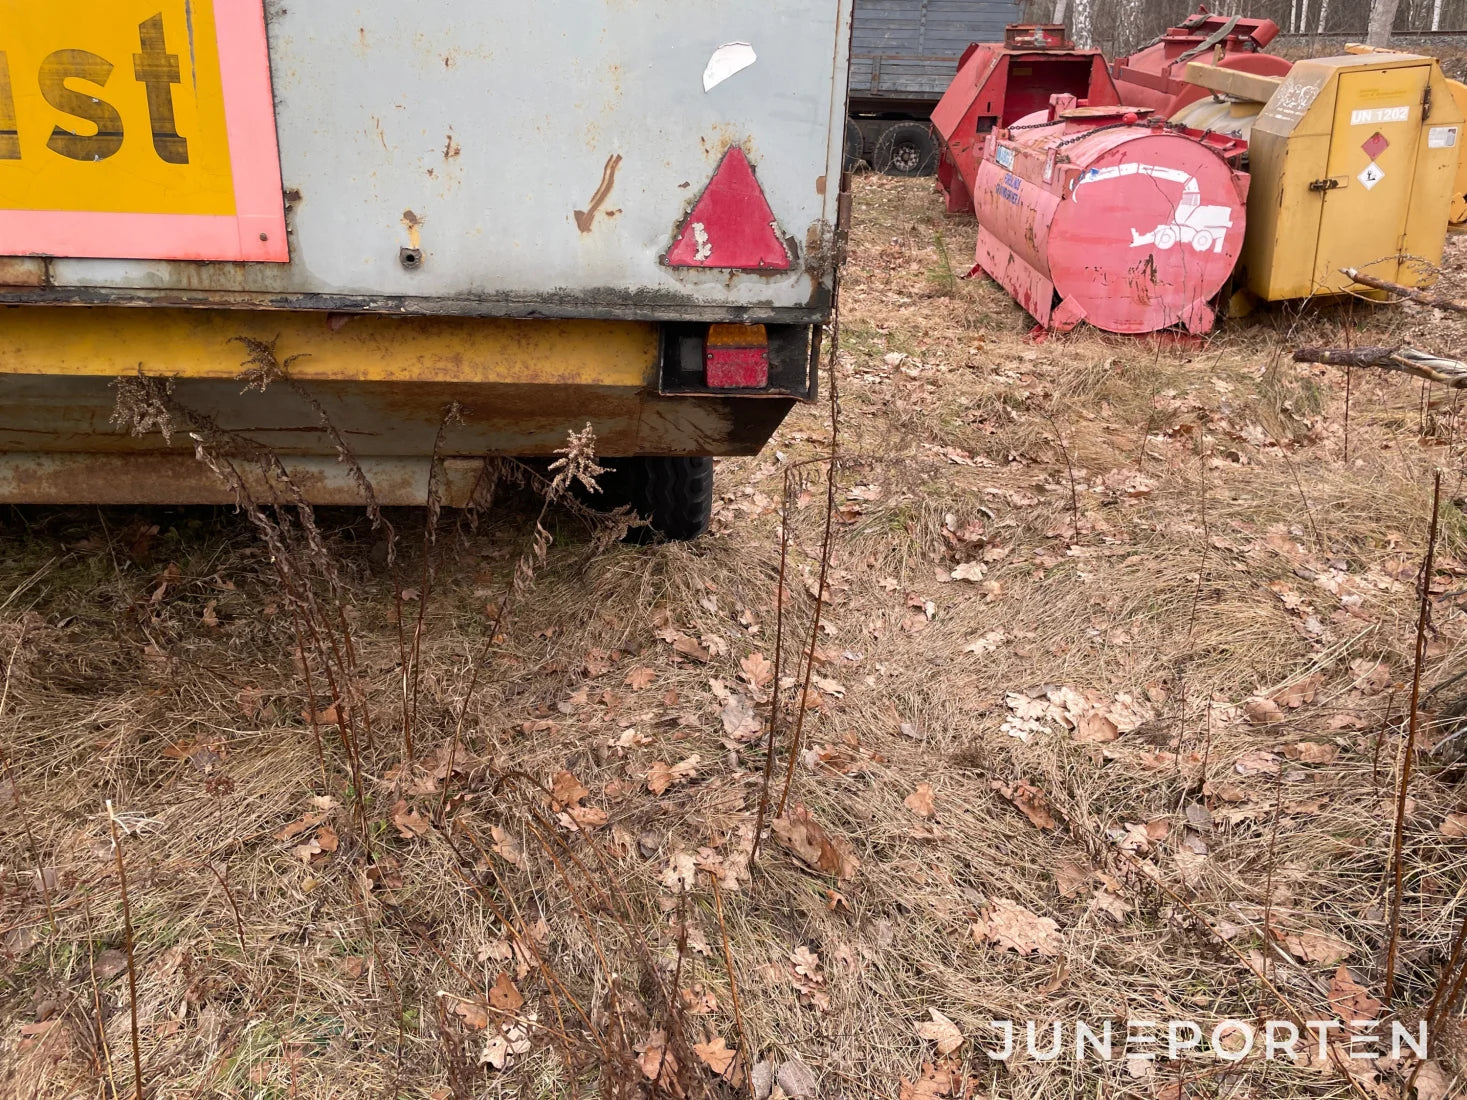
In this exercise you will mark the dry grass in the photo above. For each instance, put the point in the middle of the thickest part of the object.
(1226, 548)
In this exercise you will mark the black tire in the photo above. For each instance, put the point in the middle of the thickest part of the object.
(674, 495)
(855, 146)
(906, 149)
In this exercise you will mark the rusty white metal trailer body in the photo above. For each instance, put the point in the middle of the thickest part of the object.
(658, 166)
(494, 124)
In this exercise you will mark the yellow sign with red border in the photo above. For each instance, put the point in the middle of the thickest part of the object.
(138, 129)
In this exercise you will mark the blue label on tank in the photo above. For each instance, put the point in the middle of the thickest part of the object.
(1005, 156)
(1008, 189)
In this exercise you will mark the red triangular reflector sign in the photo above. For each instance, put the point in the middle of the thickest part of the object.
(731, 225)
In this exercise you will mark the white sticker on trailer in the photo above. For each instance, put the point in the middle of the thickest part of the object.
(1441, 137)
(1373, 116)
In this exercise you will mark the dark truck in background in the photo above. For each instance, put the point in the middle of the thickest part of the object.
(903, 56)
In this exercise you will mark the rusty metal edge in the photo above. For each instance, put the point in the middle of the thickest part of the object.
(179, 478)
(608, 306)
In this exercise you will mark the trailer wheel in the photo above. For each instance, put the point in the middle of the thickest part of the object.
(906, 149)
(673, 494)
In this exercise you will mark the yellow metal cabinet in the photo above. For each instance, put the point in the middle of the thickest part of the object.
(1353, 163)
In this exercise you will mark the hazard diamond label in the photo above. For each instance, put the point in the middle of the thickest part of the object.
(1371, 175)
(1375, 145)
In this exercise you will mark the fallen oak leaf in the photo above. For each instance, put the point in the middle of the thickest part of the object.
(1313, 947)
(566, 789)
(920, 801)
(716, 1055)
(1095, 728)
(304, 852)
(410, 823)
(1454, 827)
(503, 995)
(661, 776)
(1350, 1000)
(1312, 752)
(808, 840)
(1262, 712)
(1371, 677)
(639, 678)
(1030, 800)
(1257, 762)
(690, 648)
(739, 720)
(1010, 927)
(505, 847)
(1297, 694)
(941, 1031)
(473, 1014)
(1432, 1083)
(299, 825)
(758, 670)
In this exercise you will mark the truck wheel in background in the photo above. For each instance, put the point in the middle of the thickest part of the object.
(855, 146)
(906, 149)
(673, 494)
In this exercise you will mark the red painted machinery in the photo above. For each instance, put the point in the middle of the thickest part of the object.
(1154, 76)
(1000, 83)
(1098, 214)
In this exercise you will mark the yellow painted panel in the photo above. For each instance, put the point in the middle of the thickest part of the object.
(1459, 184)
(189, 343)
(1365, 219)
(114, 106)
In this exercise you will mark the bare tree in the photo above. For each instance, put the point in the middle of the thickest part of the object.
(1061, 9)
(1323, 16)
(1082, 33)
(1382, 20)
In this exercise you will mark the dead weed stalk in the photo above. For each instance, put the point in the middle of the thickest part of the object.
(596, 1016)
(1404, 786)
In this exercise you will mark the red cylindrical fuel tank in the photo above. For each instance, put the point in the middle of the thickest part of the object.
(1094, 216)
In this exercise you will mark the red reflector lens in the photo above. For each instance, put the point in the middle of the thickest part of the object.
(737, 357)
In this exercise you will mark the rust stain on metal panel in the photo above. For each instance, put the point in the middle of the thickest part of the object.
(22, 271)
(584, 218)
(414, 226)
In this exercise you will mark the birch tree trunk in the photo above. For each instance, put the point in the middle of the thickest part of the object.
(1436, 15)
(1061, 9)
(1382, 19)
(1081, 30)
(1128, 26)
(1323, 16)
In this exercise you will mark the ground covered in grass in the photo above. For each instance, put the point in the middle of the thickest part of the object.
(1105, 721)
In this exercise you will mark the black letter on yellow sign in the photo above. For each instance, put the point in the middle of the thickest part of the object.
(9, 128)
(158, 69)
(56, 70)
